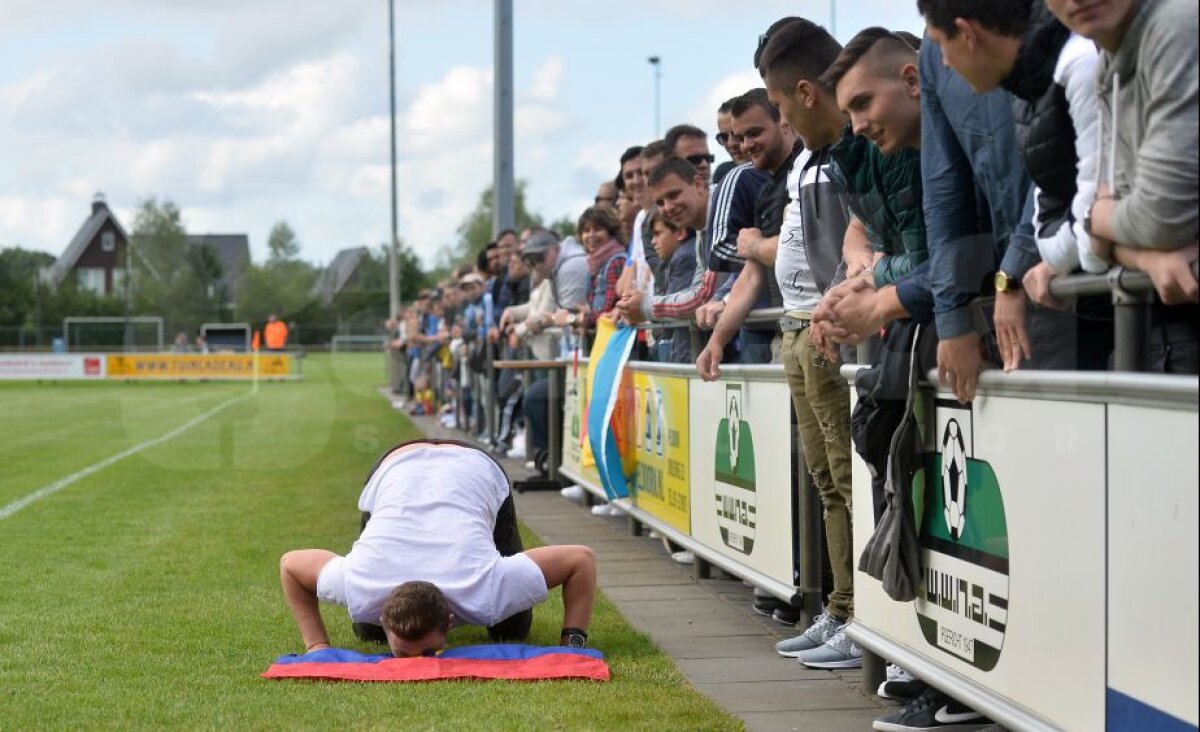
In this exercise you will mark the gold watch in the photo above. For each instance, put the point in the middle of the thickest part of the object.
(1004, 282)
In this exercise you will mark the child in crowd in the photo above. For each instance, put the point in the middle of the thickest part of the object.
(423, 399)
(676, 249)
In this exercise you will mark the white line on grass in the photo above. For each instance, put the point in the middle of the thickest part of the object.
(58, 485)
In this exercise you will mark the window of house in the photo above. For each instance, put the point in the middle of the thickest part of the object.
(118, 281)
(91, 279)
(108, 241)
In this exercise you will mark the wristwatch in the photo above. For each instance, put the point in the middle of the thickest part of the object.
(572, 319)
(1005, 282)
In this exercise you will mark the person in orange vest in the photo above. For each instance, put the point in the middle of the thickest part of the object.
(275, 333)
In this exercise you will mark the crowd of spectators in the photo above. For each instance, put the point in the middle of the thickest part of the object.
(899, 188)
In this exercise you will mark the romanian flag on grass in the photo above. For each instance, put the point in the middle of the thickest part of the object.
(501, 661)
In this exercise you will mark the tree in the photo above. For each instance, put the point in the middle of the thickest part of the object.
(475, 231)
(564, 226)
(19, 288)
(171, 278)
(282, 242)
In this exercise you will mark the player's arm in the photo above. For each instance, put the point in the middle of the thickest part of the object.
(574, 568)
(298, 573)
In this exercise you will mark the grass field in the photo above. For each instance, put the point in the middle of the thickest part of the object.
(145, 594)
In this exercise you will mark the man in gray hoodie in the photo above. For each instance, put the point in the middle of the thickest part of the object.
(1146, 214)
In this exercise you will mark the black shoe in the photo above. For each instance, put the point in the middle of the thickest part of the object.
(766, 605)
(787, 614)
(932, 710)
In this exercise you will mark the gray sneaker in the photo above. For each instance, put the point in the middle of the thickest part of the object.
(838, 652)
(822, 629)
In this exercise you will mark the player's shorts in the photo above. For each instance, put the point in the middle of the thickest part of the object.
(331, 582)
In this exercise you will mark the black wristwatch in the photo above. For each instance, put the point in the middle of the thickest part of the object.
(1004, 282)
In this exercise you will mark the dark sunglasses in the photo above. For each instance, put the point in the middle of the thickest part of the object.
(697, 159)
(533, 259)
(722, 138)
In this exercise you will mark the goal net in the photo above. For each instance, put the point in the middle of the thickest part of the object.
(99, 333)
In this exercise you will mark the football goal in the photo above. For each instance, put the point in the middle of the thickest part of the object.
(113, 333)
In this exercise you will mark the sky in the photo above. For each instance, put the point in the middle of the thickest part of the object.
(249, 112)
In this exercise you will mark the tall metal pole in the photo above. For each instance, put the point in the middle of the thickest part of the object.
(656, 62)
(502, 171)
(393, 260)
(833, 18)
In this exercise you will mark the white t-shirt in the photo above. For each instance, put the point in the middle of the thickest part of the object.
(637, 256)
(433, 510)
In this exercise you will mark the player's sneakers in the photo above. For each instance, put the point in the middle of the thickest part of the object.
(932, 710)
(574, 640)
(822, 629)
(900, 685)
(838, 652)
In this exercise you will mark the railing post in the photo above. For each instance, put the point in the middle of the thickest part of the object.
(490, 410)
(555, 392)
(1131, 324)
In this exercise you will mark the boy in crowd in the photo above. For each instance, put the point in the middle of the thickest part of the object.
(439, 546)
(675, 246)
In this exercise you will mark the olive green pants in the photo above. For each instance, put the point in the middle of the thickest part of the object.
(822, 402)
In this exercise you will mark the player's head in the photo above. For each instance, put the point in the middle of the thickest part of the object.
(416, 619)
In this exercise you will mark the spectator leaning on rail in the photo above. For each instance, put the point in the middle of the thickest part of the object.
(1147, 207)
(773, 147)
(877, 168)
(1019, 45)
(804, 258)
(564, 266)
(978, 206)
(599, 230)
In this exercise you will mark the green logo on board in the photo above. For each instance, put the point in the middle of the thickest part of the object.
(963, 609)
(736, 499)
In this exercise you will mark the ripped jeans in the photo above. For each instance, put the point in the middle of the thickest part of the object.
(822, 401)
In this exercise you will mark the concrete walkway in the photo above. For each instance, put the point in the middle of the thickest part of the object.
(707, 626)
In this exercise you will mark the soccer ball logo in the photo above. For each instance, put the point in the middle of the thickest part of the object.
(954, 479)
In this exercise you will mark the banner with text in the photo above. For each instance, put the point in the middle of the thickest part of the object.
(198, 366)
(27, 366)
(661, 436)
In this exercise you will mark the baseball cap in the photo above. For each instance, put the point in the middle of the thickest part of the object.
(540, 242)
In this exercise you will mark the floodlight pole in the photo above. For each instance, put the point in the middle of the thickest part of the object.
(503, 201)
(656, 62)
(393, 259)
(833, 18)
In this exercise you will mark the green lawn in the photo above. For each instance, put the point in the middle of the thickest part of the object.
(146, 594)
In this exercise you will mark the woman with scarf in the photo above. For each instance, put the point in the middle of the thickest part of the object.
(599, 232)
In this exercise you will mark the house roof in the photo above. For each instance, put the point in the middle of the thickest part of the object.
(233, 250)
(101, 213)
(338, 273)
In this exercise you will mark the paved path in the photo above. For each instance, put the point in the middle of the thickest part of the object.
(707, 626)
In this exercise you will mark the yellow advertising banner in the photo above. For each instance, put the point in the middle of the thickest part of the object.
(198, 366)
(660, 412)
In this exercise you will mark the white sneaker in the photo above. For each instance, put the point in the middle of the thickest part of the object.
(838, 652)
(530, 465)
(572, 493)
(654, 534)
(617, 511)
(518, 446)
(601, 510)
(684, 557)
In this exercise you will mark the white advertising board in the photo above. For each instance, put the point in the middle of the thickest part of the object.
(29, 366)
(1012, 542)
(1153, 565)
(741, 473)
